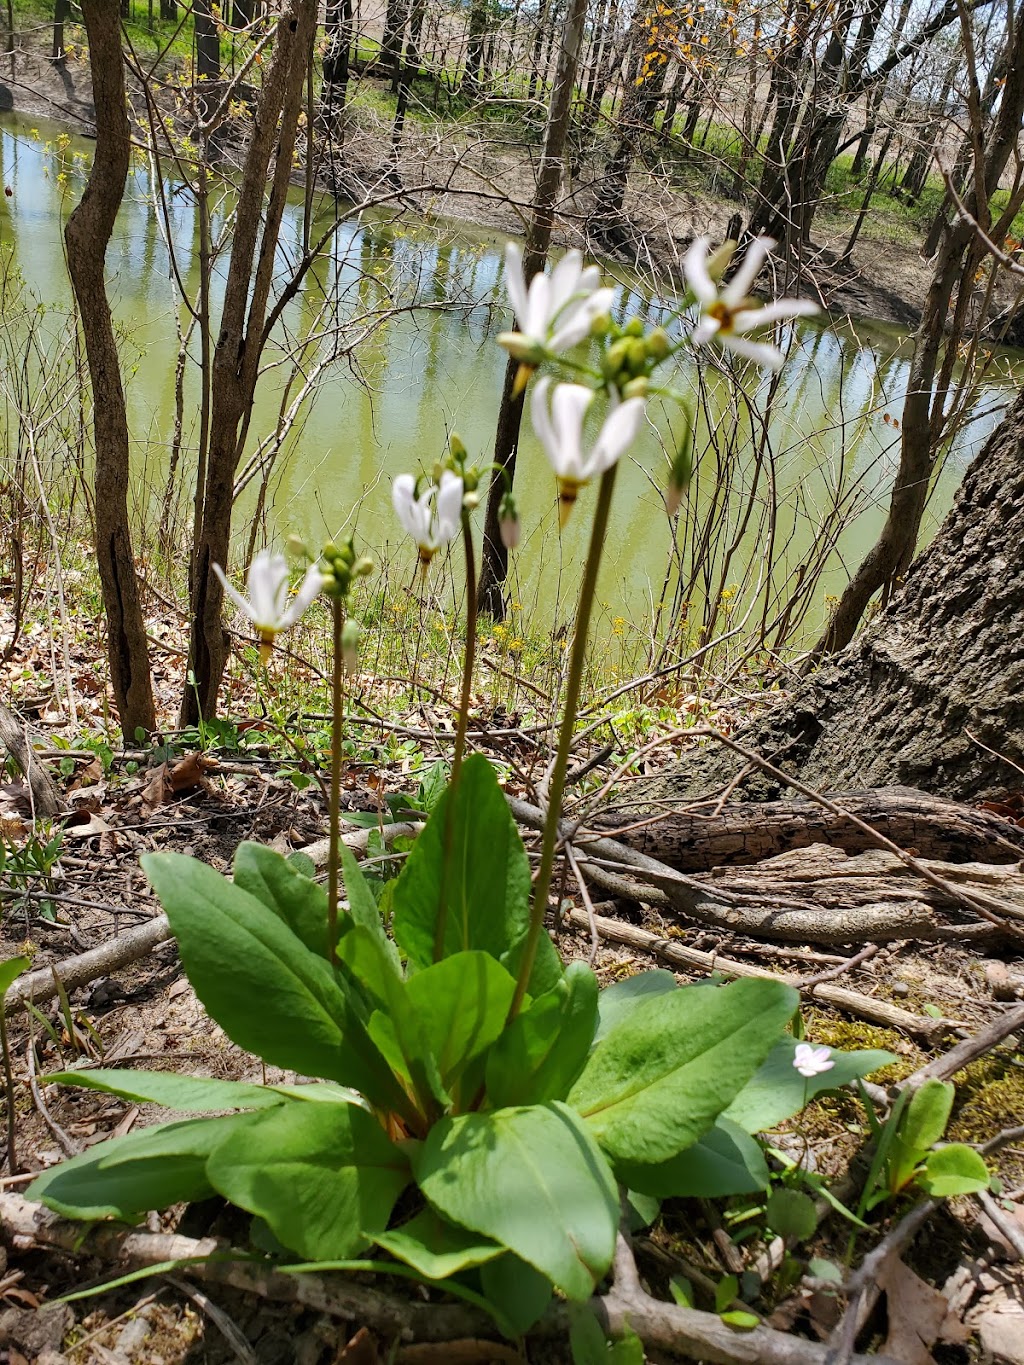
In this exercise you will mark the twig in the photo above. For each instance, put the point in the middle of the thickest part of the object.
(806, 982)
(224, 1324)
(69, 1147)
(678, 954)
(942, 1068)
(39, 986)
(588, 904)
(1006, 1227)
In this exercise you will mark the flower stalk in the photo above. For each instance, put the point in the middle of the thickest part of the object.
(577, 660)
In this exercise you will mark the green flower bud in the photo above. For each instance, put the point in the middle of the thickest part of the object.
(363, 566)
(634, 328)
(329, 552)
(682, 467)
(350, 645)
(658, 344)
(471, 479)
(636, 357)
(720, 259)
(601, 325)
(456, 447)
(637, 388)
(522, 348)
(471, 501)
(296, 547)
(615, 357)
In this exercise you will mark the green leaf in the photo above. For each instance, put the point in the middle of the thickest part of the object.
(297, 901)
(791, 1214)
(460, 1005)
(270, 993)
(956, 1169)
(617, 1000)
(725, 1292)
(590, 1346)
(682, 1291)
(516, 1292)
(531, 1179)
(825, 1270)
(664, 1073)
(488, 884)
(363, 908)
(323, 1177)
(927, 1115)
(725, 1161)
(741, 1320)
(198, 1094)
(544, 1049)
(642, 1209)
(126, 1176)
(436, 1248)
(10, 971)
(777, 1091)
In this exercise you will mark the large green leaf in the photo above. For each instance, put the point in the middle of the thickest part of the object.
(617, 1000)
(266, 989)
(516, 1292)
(665, 1072)
(460, 1005)
(532, 1179)
(363, 907)
(127, 1176)
(488, 882)
(436, 1248)
(193, 1094)
(777, 1090)
(725, 1161)
(323, 1177)
(543, 1050)
(10, 971)
(298, 901)
(956, 1169)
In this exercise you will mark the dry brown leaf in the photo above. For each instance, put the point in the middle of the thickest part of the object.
(918, 1315)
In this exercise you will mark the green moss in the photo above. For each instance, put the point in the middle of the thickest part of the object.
(989, 1098)
(848, 1035)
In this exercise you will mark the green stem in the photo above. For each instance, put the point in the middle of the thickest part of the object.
(337, 713)
(588, 591)
(460, 736)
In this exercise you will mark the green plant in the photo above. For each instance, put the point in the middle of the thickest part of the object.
(478, 1110)
(907, 1151)
(27, 866)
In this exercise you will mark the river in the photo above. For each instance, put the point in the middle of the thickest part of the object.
(829, 434)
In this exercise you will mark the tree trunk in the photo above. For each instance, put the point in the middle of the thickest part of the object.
(87, 235)
(931, 695)
(241, 337)
(494, 567)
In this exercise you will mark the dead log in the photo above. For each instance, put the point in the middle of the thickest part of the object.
(741, 833)
(45, 801)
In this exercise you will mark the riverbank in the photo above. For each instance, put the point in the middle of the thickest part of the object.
(467, 170)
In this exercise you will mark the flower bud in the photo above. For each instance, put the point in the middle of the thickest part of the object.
(471, 501)
(329, 552)
(522, 348)
(658, 344)
(720, 260)
(471, 479)
(615, 358)
(637, 388)
(634, 328)
(601, 325)
(350, 645)
(682, 468)
(456, 447)
(636, 357)
(508, 522)
(296, 547)
(363, 566)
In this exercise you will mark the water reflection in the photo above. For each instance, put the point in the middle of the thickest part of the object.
(765, 485)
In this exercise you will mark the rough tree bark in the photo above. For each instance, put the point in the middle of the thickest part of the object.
(87, 235)
(241, 337)
(931, 694)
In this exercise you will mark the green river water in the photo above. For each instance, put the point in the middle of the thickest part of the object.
(830, 430)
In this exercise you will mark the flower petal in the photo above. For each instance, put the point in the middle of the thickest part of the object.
(403, 496)
(448, 511)
(695, 271)
(616, 436)
(240, 602)
(747, 319)
(757, 351)
(566, 280)
(569, 405)
(308, 589)
(515, 284)
(747, 271)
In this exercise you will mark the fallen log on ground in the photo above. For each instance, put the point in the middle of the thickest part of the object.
(742, 832)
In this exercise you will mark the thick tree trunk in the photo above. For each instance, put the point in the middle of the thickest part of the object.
(87, 235)
(931, 695)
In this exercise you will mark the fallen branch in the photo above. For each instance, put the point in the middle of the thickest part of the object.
(45, 801)
(945, 1067)
(679, 955)
(703, 1335)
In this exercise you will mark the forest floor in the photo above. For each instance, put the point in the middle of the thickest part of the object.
(479, 172)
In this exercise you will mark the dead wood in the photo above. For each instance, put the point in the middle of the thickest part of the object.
(45, 801)
(677, 954)
(41, 985)
(703, 1336)
(742, 832)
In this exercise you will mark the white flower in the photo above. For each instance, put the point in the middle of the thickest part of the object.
(557, 310)
(558, 421)
(728, 314)
(267, 605)
(433, 518)
(811, 1061)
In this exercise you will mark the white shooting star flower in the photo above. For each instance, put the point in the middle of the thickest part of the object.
(558, 412)
(557, 310)
(727, 313)
(433, 518)
(266, 604)
(812, 1061)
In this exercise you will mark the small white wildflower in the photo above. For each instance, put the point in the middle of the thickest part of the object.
(728, 314)
(812, 1061)
(557, 310)
(558, 412)
(433, 518)
(267, 605)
